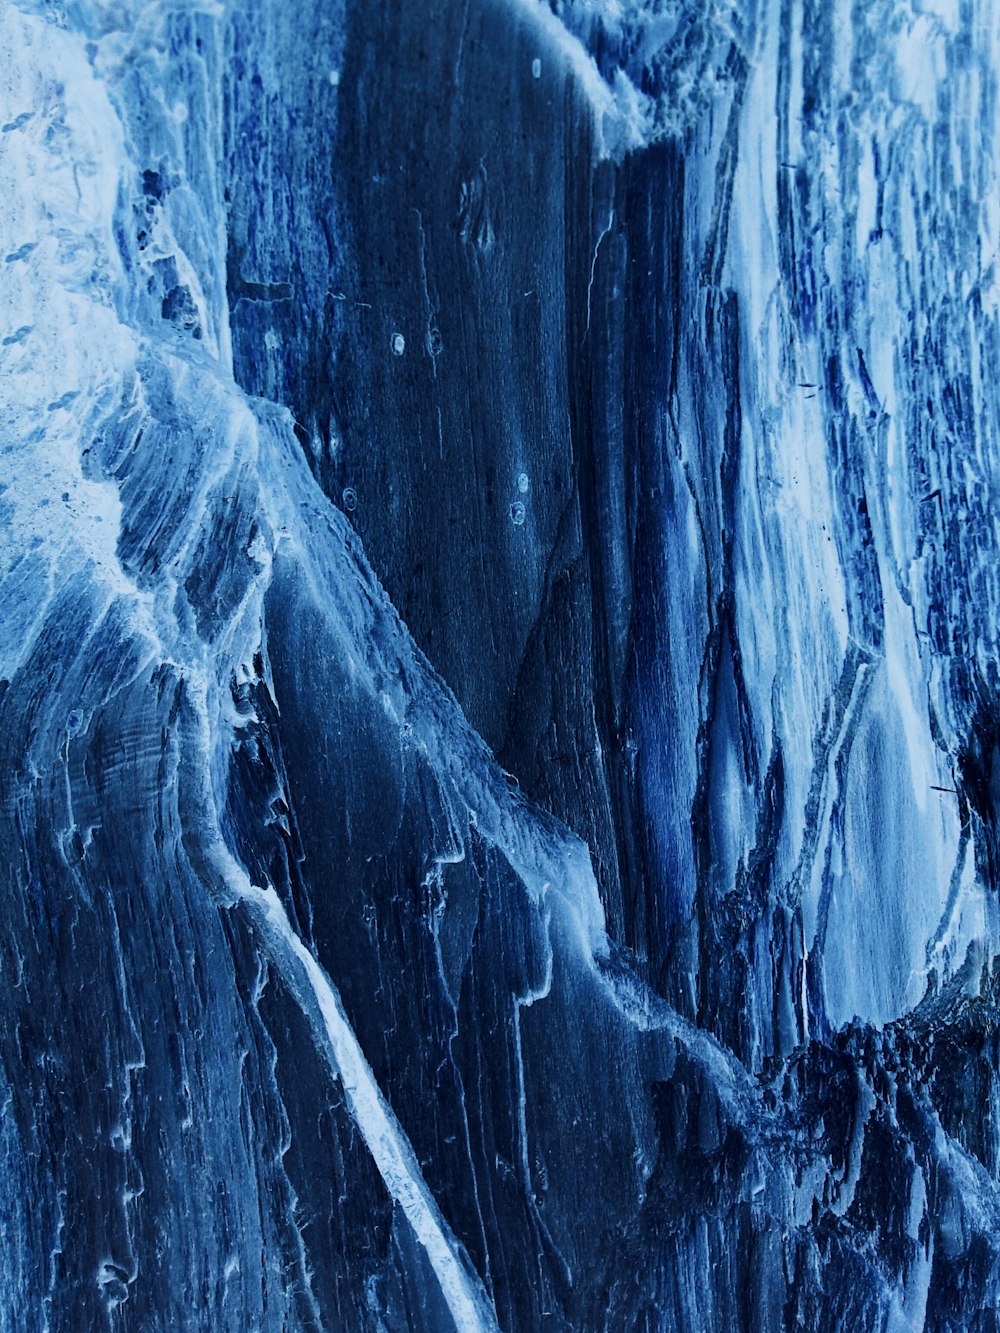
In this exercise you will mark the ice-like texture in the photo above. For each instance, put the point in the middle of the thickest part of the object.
(498, 667)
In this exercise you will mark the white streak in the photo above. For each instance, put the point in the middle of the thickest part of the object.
(381, 1131)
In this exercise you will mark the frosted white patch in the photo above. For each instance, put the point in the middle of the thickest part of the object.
(536, 68)
(629, 127)
(567, 51)
(946, 13)
(67, 362)
(893, 873)
(522, 483)
(398, 344)
(271, 340)
(905, 673)
(334, 77)
(867, 198)
(920, 64)
(796, 65)
(917, 1204)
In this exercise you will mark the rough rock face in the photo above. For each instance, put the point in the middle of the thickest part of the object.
(499, 688)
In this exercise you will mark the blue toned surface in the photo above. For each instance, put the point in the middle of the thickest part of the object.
(498, 665)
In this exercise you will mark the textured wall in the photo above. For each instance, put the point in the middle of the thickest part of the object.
(498, 672)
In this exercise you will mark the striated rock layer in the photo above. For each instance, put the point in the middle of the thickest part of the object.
(499, 690)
